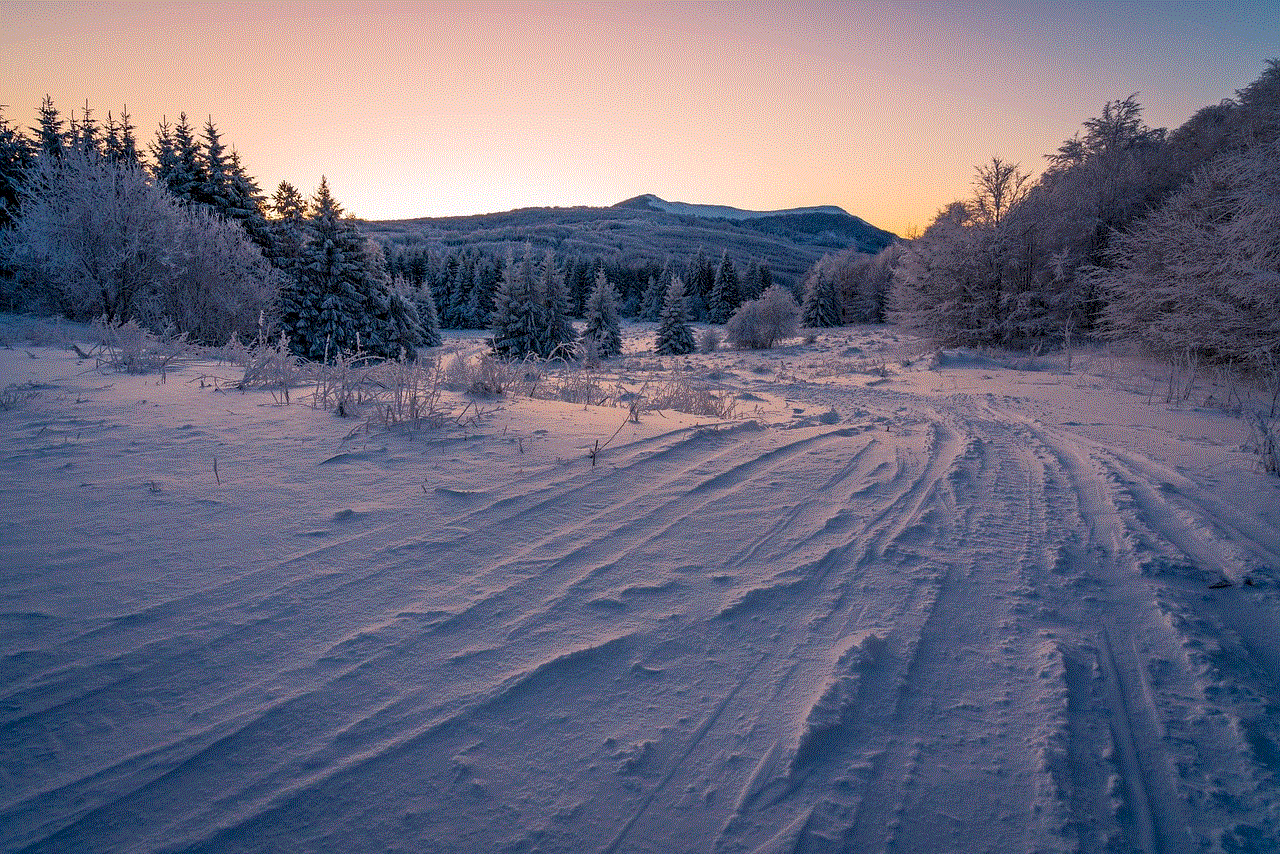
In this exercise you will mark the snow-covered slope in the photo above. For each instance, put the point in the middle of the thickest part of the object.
(724, 211)
(905, 603)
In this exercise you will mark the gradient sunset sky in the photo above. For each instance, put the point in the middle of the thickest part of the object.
(423, 109)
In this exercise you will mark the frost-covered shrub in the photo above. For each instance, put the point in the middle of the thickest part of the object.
(1201, 274)
(761, 323)
(96, 238)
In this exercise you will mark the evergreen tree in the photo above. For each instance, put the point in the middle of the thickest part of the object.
(428, 318)
(164, 156)
(247, 205)
(16, 156)
(515, 315)
(213, 186)
(755, 281)
(392, 326)
(822, 302)
(340, 301)
(181, 169)
(603, 334)
(654, 294)
(120, 145)
(675, 338)
(725, 293)
(480, 303)
(556, 329)
(459, 294)
(581, 275)
(288, 230)
(49, 134)
(701, 279)
(85, 134)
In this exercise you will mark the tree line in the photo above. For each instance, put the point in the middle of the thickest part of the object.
(1131, 232)
(178, 236)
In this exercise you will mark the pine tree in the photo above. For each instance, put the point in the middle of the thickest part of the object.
(125, 148)
(247, 204)
(164, 156)
(480, 302)
(725, 293)
(181, 169)
(213, 187)
(654, 293)
(822, 302)
(515, 314)
(427, 315)
(459, 294)
(50, 139)
(701, 279)
(603, 334)
(85, 135)
(675, 338)
(332, 307)
(16, 157)
(556, 338)
(287, 229)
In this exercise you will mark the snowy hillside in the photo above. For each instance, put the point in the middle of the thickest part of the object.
(903, 601)
(724, 211)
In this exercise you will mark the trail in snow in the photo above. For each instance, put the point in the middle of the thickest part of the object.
(959, 619)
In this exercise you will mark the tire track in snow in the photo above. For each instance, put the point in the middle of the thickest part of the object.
(1186, 780)
(784, 672)
(699, 461)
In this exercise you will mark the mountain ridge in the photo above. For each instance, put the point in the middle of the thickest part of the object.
(646, 229)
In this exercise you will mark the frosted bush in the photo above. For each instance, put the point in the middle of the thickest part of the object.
(761, 323)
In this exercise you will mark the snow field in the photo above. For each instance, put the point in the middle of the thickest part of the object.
(950, 605)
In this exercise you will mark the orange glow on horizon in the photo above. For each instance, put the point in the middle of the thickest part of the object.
(417, 109)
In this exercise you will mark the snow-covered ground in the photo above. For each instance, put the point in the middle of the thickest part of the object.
(903, 602)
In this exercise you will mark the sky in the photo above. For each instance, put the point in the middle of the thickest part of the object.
(433, 109)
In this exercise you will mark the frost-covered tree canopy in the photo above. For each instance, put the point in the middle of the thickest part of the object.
(1129, 232)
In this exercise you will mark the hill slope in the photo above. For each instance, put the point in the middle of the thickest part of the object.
(647, 228)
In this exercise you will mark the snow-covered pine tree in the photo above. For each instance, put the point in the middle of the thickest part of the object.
(654, 294)
(428, 317)
(603, 334)
(324, 312)
(725, 293)
(515, 314)
(248, 207)
(674, 338)
(822, 302)
(460, 294)
(185, 173)
(213, 187)
(556, 336)
(402, 329)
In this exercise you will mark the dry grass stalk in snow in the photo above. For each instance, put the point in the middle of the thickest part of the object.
(131, 349)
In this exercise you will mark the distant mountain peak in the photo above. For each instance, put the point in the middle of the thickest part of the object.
(651, 202)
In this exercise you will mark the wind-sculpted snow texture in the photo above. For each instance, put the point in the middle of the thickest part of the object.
(941, 620)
